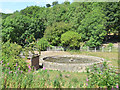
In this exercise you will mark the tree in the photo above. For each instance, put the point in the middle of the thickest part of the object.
(32, 11)
(14, 26)
(19, 27)
(48, 5)
(54, 3)
(92, 28)
(112, 12)
(66, 2)
(4, 15)
(71, 39)
(53, 32)
(76, 13)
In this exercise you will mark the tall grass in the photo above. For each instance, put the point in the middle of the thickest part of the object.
(42, 79)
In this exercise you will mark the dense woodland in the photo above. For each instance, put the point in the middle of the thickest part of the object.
(67, 24)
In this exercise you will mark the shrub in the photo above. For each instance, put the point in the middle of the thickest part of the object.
(110, 45)
(42, 44)
(10, 56)
(102, 77)
(71, 39)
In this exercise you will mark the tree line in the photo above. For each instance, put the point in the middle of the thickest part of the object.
(67, 24)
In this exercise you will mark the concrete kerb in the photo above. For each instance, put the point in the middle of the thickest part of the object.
(70, 67)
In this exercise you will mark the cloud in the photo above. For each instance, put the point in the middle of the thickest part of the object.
(50, 1)
(0, 9)
(37, 2)
(17, 0)
(44, 1)
(6, 10)
(27, 0)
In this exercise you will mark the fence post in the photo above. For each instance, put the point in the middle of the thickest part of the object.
(95, 49)
(55, 48)
(109, 49)
(88, 48)
(102, 49)
(80, 48)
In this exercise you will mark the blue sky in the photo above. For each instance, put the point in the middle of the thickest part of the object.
(9, 6)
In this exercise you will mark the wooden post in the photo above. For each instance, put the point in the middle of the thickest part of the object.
(35, 62)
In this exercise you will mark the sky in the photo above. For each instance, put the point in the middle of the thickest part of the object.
(10, 6)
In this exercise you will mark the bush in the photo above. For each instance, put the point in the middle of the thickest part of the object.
(110, 45)
(102, 77)
(71, 39)
(42, 44)
(10, 56)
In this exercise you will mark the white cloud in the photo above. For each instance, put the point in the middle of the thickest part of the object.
(26, 0)
(37, 2)
(6, 10)
(0, 9)
(17, 0)
(50, 1)
(44, 1)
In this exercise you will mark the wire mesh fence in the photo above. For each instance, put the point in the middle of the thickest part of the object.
(55, 48)
(100, 49)
(85, 48)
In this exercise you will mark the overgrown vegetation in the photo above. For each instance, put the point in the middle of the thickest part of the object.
(44, 78)
(11, 58)
(70, 25)
(102, 76)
